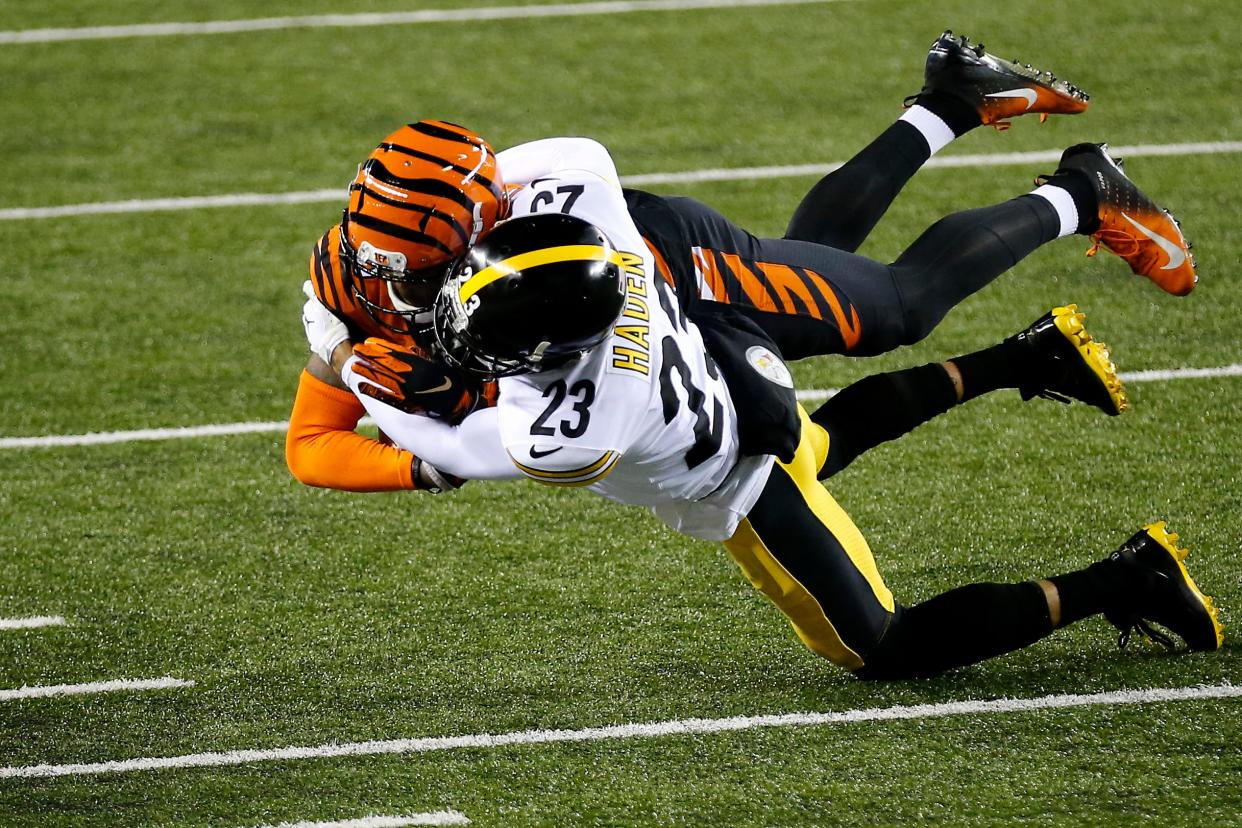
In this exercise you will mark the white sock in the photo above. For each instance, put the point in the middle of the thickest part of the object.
(934, 130)
(1063, 204)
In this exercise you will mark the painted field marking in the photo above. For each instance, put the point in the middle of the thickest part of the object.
(32, 622)
(96, 438)
(377, 821)
(1163, 374)
(381, 19)
(91, 688)
(273, 426)
(1155, 375)
(686, 177)
(645, 730)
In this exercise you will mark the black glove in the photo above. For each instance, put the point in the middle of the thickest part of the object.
(410, 379)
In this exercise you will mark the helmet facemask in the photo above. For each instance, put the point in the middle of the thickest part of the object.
(410, 292)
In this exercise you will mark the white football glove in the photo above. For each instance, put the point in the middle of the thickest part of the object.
(323, 330)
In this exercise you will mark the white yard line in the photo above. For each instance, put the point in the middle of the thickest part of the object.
(103, 437)
(32, 622)
(182, 432)
(997, 159)
(685, 177)
(646, 730)
(377, 821)
(1160, 375)
(117, 685)
(1155, 375)
(381, 19)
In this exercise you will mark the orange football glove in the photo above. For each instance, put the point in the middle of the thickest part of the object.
(410, 379)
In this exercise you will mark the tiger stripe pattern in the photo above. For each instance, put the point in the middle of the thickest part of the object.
(777, 288)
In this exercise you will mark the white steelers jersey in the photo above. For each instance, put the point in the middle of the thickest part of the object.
(645, 417)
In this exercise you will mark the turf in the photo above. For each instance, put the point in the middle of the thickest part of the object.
(308, 617)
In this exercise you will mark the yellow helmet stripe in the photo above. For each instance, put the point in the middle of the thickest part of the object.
(535, 258)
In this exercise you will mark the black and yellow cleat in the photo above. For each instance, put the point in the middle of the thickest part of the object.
(1063, 362)
(997, 89)
(1164, 593)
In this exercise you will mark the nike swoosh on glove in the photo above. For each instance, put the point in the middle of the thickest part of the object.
(410, 379)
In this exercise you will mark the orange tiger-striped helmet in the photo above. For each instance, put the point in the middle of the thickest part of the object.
(427, 193)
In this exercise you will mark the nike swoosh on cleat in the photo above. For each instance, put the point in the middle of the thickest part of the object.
(1176, 254)
(444, 386)
(1028, 94)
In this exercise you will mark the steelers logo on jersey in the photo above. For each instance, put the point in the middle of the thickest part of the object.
(769, 366)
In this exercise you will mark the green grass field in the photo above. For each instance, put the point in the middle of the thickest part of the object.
(309, 617)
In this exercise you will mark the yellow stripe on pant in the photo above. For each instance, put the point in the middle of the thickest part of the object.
(798, 526)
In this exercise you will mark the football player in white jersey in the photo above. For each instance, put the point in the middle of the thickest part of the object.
(605, 382)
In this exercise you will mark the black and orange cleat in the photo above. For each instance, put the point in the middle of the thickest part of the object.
(1163, 593)
(1064, 362)
(1132, 226)
(997, 89)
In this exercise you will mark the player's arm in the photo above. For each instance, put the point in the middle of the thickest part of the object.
(554, 156)
(470, 449)
(323, 449)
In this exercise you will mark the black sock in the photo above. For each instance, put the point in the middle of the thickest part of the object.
(1001, 366)
(960, 116)
(1085, 201)
(1090, 591)
(879, 408)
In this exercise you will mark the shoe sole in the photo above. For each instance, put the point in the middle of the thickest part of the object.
(1159, 532)
(1094, 354)
(996, 108)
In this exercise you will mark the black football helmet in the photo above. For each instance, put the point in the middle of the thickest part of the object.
(539, 291)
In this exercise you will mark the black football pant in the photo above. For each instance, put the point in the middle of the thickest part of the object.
(812, 299)
(808, 291)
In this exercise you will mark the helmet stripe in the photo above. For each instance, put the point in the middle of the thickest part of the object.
(428, 128)
(537, 258)
(360, 213)
(421, 186)
(399, 232)
(440, 162)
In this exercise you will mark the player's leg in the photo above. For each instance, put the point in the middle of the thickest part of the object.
(1145, 581)
(964, 87)
(814, 299)
(1054, 357)
(1089, 194)
(801, 550)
